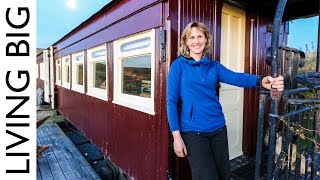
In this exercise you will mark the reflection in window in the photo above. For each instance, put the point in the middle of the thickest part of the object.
(79, 58)
(99, 53)
(79, 76)
(67, 68)
(58, 73)
(99, 74)
(136, 44)
(137, 76)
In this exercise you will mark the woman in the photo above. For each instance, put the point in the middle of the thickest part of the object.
(198, 129)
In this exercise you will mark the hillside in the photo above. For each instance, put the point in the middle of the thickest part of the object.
(310, 64)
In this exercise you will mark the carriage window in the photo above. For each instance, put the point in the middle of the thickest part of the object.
(134, 59)
(58, 72)
(66, 72)
(136, 44)
(77, 72)
(137, 76)
(97, 72)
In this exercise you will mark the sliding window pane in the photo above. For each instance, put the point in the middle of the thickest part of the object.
(99, 74)
(136, 77)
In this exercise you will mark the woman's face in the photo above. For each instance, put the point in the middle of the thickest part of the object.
(196, 42)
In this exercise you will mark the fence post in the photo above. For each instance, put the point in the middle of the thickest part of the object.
(273, 116)
(262, 101)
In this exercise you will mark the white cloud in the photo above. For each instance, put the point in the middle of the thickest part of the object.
(71, 4)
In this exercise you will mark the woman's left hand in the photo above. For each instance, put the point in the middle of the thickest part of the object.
(269, 82)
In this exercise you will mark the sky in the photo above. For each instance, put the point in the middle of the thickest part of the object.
(302, 32)
(56, 18)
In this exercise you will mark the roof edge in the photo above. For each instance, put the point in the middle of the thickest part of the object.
(101, 11)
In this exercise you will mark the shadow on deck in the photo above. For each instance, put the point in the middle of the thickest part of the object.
(62, 160)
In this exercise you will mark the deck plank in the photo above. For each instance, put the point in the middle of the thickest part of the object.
(42, 163)
(55, 146)
(73, 155)
(56, 170)
(38, 173)
(62, 160)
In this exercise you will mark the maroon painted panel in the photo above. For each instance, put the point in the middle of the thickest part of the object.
(208, 12)
(113, 16)
(135, 141)
(127, 137)
(134, 24)
(261, 42)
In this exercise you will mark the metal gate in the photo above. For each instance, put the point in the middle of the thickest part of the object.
(293, 146)
(292, 149)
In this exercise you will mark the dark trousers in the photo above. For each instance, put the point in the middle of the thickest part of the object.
(208, 154)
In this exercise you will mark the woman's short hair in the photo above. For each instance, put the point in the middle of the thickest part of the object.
(183, 48)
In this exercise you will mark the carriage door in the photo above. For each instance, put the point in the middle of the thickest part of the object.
(232, 56)
(46, 77)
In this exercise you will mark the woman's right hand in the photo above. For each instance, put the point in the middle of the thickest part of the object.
(178, 144)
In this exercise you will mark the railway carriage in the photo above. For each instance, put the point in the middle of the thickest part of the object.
(108, 76)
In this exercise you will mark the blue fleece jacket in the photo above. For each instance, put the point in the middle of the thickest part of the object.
(194, 84)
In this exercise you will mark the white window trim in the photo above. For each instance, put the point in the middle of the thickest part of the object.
(92, 91)
(37, 70)
(77, 87)
(142, 104)
(58, 82)
(63, 63)
(42, 71)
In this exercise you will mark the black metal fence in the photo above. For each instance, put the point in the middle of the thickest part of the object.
(295, 148)
(291, 150)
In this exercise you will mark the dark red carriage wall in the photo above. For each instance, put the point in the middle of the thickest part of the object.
(134, 141)
(208, 12)
(40, 82)
(257, 22)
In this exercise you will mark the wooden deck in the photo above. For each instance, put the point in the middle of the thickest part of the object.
(62, 160)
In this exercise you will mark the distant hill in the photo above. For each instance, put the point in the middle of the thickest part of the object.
(311, 61)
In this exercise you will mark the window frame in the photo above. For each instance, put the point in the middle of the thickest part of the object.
(91, 90)
(143, 104)
(63, 64)
(58, 82)
(74, 86)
